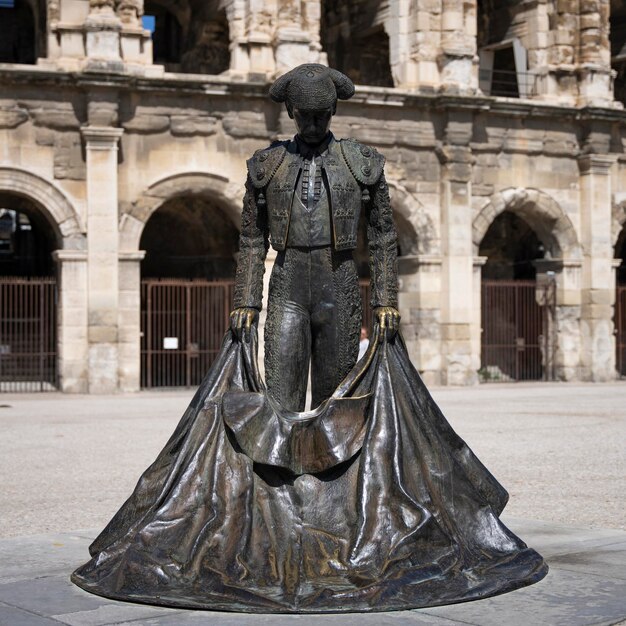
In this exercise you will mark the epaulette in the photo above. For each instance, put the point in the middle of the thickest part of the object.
(365, 163)
(264, 163)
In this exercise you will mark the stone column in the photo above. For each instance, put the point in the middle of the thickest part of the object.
(102, 254)
(129, 320)
(459, 363)
(419, 279)
(293, 42)
(598, 353)
(72, 320)
(259, 33)
(595, 73)
(558, 288)
(458, 60)
(556, 76)
(102, 33)
(135, 40)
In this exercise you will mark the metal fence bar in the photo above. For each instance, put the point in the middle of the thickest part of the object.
(28, 334)
(515, 335)
(196, 313)
(509, 83)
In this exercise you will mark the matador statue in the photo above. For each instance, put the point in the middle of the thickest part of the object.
(306, 196)
(368, 502)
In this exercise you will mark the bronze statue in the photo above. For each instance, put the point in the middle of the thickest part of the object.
(307, 195)
(368, 502)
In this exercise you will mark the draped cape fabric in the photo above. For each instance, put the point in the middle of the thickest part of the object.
(369, 503)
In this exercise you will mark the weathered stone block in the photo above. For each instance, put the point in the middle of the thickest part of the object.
(13, 117)
(58, 115)
(147, 123)
(183, 125)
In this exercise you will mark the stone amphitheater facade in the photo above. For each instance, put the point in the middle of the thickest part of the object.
(481, 109)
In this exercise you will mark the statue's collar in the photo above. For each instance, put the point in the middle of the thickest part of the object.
(306, 151)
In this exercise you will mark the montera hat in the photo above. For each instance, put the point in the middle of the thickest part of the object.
(312, 87)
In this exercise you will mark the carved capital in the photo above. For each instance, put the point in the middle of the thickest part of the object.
(595, 163)
(101, 137)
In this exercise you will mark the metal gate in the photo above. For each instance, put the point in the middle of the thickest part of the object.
(182, 326)
(620, 329)
(517, 330)
(28, 334)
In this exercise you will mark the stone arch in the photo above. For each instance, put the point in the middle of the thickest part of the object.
(211, 186)
(50, 200)
(618, 221)
(422, 237)
(542, 213)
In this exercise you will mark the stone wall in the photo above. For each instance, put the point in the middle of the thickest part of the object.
(99, 138)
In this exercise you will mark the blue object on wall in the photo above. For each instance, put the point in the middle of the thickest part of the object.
(147, 21)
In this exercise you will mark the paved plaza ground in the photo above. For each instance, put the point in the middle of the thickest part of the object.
(68, 462)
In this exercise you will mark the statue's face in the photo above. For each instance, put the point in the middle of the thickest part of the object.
(312, 125)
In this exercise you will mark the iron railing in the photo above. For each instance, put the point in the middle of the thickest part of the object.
(508, 83)
(517, 331)
(28, 334)
(182, 326)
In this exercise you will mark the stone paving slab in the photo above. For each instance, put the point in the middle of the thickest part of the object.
(586, 586)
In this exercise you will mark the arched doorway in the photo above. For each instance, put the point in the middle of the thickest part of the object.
(618, 47)
(503, 58)
(186, 289)
(354, 38)
(189, 37)
(28, 297)
(515, 322)
(620, 304)
(22, 31)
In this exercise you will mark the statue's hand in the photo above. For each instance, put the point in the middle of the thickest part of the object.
(388, 319)
(241, 320)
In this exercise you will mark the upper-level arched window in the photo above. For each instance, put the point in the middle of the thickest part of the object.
(167, 35)
(20, 39)
(503, 56)
(354, 38)
(192, 38)
(618, 47)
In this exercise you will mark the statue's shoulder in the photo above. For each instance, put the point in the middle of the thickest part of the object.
(264, 163)
(365, 162)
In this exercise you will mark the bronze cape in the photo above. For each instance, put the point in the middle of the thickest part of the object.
(369, 503)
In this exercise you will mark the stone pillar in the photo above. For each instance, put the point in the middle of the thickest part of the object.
(556, 78)
(558, 288)
(135, 40)
(238, 18)
(311, 23)
(595, 73)
(458, 60)
(102, 33)
(598, 353)
(459, 364)
(293, 42)
(72, 320)
(259, 34)
(419, 298)
(129, 320)
(102, 254)
(476, 325)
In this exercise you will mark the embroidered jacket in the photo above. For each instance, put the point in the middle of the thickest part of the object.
(355, 181)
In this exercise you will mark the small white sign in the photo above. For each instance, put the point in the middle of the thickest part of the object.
(170, 343)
